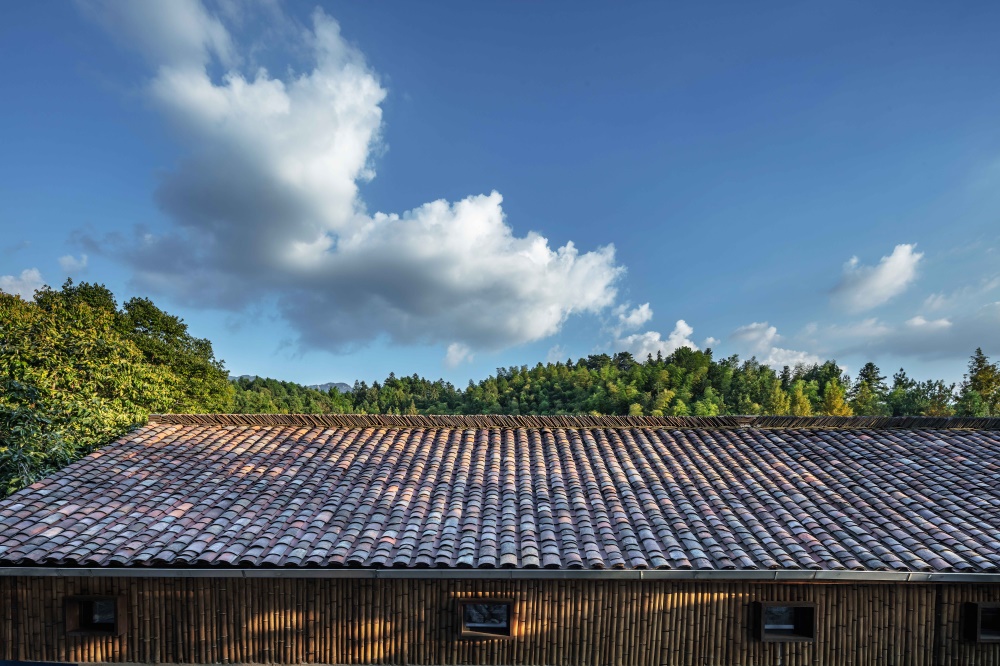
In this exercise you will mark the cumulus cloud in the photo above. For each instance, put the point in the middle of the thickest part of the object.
(760, 339)
(641, 345)
(71, 264)
(865, 287)
(23, 285)
(630, 320)
(457, 354)
(265, 205)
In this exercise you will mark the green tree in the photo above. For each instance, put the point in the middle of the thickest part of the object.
(867, 396)
(777, 402)
(66, 360)
(980, 390)
(800, 403)
(908, 397)
(834, 403)
(200, 381)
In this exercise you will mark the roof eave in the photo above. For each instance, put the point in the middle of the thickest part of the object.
(778, 576)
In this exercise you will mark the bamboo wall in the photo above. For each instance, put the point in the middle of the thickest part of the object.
(571, 623)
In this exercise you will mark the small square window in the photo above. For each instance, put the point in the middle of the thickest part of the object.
(783, 621)
(982, 622)
(92, 615)
(486, 618)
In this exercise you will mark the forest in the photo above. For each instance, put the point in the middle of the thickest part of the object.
(78, 370)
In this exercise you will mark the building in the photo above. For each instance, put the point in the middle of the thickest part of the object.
(513, 540)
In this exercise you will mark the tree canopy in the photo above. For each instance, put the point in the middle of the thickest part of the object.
(76, 371)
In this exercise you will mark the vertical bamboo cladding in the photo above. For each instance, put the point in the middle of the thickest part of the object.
(414, 621)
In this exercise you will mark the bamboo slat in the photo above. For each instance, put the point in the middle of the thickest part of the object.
(563, 623)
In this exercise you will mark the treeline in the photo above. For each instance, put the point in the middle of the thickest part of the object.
(687, 383)
(77, 370)
(271, 396)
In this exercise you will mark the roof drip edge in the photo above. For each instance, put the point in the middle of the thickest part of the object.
(777, 576)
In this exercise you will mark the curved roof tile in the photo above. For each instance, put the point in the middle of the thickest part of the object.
(529, 494)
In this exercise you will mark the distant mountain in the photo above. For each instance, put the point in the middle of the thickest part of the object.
(325, 388)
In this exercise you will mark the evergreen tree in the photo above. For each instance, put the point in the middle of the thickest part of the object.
(867, 396)
(981, 389)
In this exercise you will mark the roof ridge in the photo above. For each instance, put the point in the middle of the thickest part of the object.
(579, 421)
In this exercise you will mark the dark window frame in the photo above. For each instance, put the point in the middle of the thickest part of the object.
(76, 604)
(973, 621)
(472, 634)
(805, 622)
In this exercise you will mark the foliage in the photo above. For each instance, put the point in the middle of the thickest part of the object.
(980, 392)
(270, 396)
(688, 382)
(833, 399)
(77, 372)
(867, 396)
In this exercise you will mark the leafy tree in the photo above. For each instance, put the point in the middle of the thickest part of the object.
(800, 403)
(908, 397)
(777, 402)
(971, 403)
(29, 447)
(66, 360)
(833, 399)
(936, 398)
(200, 381)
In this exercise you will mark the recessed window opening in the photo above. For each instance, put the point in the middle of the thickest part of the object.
(486, 618)
(989, 624)
(982, 622)
(781, 621)
(93, 615)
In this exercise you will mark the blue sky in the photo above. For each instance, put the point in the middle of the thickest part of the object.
(334, 193)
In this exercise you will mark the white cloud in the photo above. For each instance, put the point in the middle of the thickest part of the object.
(641, 345)
(919, 322)
(865, 287)
(178, 34)
(457, 354)
(265, 205)
(629, 320)
(760, 339)
(71, 264)
(23, 285)
(710, 342)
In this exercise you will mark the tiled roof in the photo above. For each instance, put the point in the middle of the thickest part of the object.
(569, 494)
